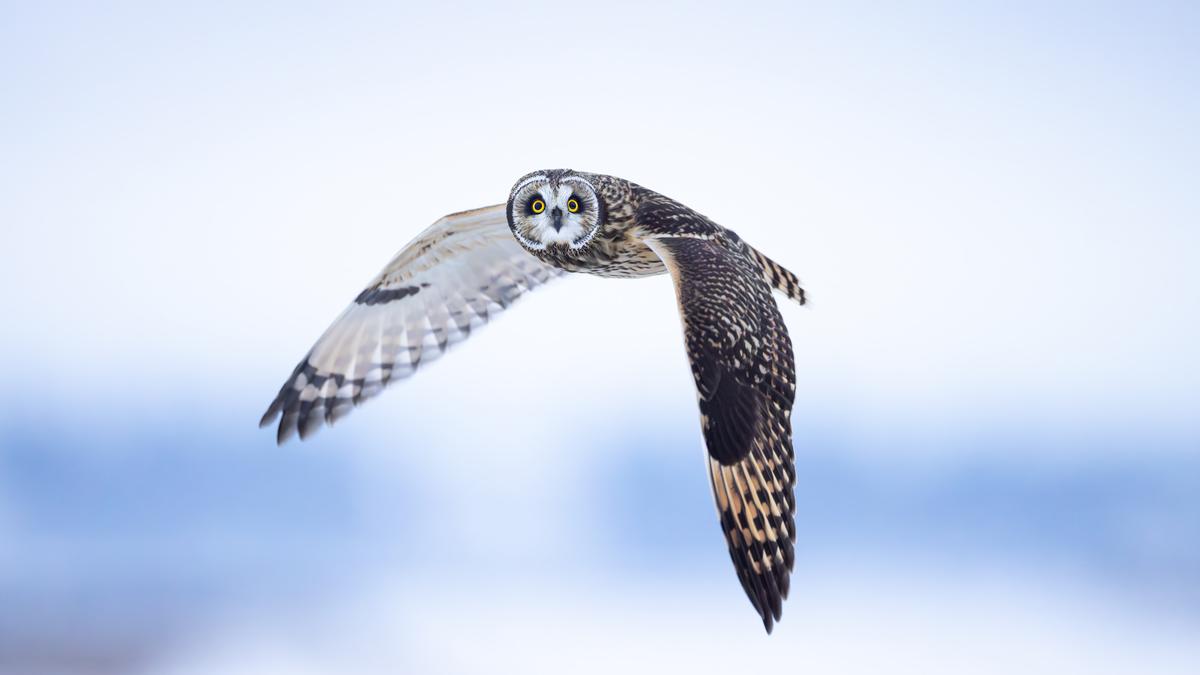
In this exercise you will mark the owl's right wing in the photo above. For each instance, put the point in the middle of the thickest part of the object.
(742, 364)
(445, 283)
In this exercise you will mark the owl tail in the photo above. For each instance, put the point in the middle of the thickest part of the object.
(779, 277)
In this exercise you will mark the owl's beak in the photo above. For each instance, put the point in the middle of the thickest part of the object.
(556, 216)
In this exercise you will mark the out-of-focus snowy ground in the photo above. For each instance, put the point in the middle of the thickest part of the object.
(162, 552)
(899, 621)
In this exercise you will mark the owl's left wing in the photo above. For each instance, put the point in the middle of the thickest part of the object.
(449, 280)
(742, 363)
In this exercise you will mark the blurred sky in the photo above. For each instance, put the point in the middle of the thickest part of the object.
(993, 207)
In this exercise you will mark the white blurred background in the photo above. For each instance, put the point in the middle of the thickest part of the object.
(993, 207)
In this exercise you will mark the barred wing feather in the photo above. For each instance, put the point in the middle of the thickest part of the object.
(434, 293)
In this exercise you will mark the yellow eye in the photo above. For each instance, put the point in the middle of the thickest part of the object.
(573, 205)
(537, 206)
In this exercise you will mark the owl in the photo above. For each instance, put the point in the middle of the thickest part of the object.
(469, 266)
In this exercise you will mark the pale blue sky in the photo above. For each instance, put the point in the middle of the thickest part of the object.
(991, 207)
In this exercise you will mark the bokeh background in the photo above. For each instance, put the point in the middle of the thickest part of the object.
(993, 206)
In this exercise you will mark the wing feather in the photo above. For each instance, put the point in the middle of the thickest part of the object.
(742, 364)
(451, 279)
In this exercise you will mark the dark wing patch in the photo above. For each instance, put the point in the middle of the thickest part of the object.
(730, 410)
(378, 296)
(448, 281)
(744, 370)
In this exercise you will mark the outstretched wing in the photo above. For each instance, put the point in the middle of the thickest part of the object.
(438, 288)
(744, 370)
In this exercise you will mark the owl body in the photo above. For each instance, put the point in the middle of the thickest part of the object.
(620, 254)
(468, 266)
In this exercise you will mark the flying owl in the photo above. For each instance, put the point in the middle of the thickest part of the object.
(468, 266)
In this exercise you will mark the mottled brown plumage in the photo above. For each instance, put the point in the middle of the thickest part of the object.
(743, 368)
(465, 267)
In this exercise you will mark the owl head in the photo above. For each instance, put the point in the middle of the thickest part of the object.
(557, 209)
